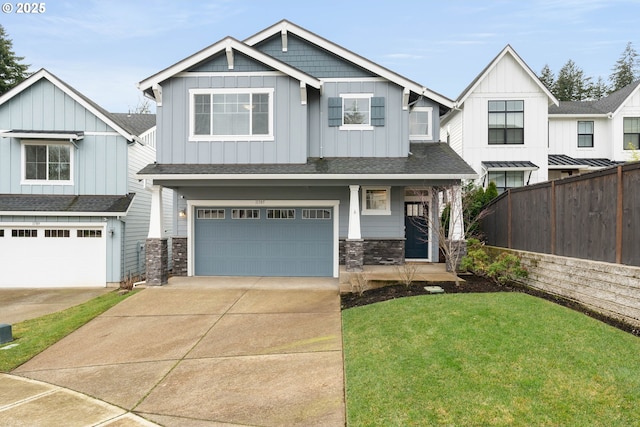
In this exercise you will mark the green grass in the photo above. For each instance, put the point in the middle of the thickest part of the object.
(35, 335)
(501, 359)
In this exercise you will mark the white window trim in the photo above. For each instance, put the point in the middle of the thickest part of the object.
(344, 126)
(422, 137)
(386, 211)
(23, 165)
(251, 91)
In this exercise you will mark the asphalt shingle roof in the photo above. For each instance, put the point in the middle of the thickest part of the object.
(136, 124)
(64, 203)
(429, 158)
(605, 105)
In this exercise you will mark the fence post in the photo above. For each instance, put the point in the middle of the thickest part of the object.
(553, 217)
(509, 218)
(619, 207)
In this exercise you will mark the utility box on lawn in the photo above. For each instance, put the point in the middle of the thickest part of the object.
(5, 333)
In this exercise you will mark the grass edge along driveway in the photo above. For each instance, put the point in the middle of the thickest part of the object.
(34, 335)
(497, 359)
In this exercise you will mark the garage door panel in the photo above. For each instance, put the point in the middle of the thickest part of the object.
(44, 261)
(264, 246)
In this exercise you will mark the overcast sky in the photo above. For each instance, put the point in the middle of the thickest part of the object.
(103, 48)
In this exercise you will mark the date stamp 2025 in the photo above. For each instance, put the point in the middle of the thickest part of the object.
(24, 8)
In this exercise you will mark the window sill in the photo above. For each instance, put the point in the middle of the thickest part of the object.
(230, 138)
(372, 212)
(44, 182)
(355, 127)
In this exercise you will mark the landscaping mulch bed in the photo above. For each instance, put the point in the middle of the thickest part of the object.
(471, 284)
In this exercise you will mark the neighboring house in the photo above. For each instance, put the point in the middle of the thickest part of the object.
(290, 155)
(499, 123)
(588, 135)
(514, 132)
(72, 212)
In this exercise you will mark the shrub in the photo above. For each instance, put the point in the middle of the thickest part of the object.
(502, 269)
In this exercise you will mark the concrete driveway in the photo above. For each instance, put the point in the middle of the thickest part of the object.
(211, 352)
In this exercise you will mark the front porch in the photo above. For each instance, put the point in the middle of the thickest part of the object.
(382, 275)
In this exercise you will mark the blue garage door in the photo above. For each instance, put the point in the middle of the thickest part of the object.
(263, 241)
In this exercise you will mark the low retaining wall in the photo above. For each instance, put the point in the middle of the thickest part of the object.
(609, 289)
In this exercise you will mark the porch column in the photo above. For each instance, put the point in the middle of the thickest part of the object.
(354, 245)
(456, 219)
(354, 213)
(157, 251)
(456, 241)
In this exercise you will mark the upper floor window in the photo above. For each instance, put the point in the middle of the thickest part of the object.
(231, 114)
(506, 122)
(356, 111)
(420, 123)
(631, 133)
(47, 162)
(585, 134)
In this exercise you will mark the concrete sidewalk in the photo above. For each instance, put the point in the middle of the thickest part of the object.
(201, 352)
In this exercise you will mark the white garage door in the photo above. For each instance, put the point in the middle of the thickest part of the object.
(52, 256)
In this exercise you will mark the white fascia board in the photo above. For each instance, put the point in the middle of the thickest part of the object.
(578, 116)
(223, 45)
(62, 213)
(327, 177)
(515, 169)
(349, 56)
(42, 135)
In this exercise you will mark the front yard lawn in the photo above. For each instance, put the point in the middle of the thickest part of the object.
(495, 359)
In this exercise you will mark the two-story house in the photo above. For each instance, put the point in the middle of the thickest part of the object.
(499, 123)
(509, 127)
(289, 155)
(72, 212)
(588, 135)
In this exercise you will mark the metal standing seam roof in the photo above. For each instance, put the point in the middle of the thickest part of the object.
(65, 203)
(517, 164)
(572, 163)
(427, 158)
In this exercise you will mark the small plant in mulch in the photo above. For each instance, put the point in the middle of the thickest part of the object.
(126, 285)
(359, 283)
(407, 273)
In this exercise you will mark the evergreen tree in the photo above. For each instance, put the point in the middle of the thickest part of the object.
(12, 71)
(571, 84)
(626, 70)
(547, 77)
(599, 89)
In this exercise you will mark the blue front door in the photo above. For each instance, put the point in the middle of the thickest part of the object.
(416, 231)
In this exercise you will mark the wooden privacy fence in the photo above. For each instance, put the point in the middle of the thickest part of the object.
(594, 216)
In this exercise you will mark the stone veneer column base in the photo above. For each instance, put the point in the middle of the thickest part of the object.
(354, 254)
(157, 261)
(179, 255)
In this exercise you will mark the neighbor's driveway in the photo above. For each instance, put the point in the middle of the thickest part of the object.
(210, 351)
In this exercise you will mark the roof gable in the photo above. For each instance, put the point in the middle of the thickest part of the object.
(227, 45)
(95, 109)
(508, 50)
(284, 27)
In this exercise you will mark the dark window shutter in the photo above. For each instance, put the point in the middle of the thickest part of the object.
(335, 111)
(377, 111)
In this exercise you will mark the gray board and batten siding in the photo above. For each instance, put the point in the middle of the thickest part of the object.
(100, 162)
